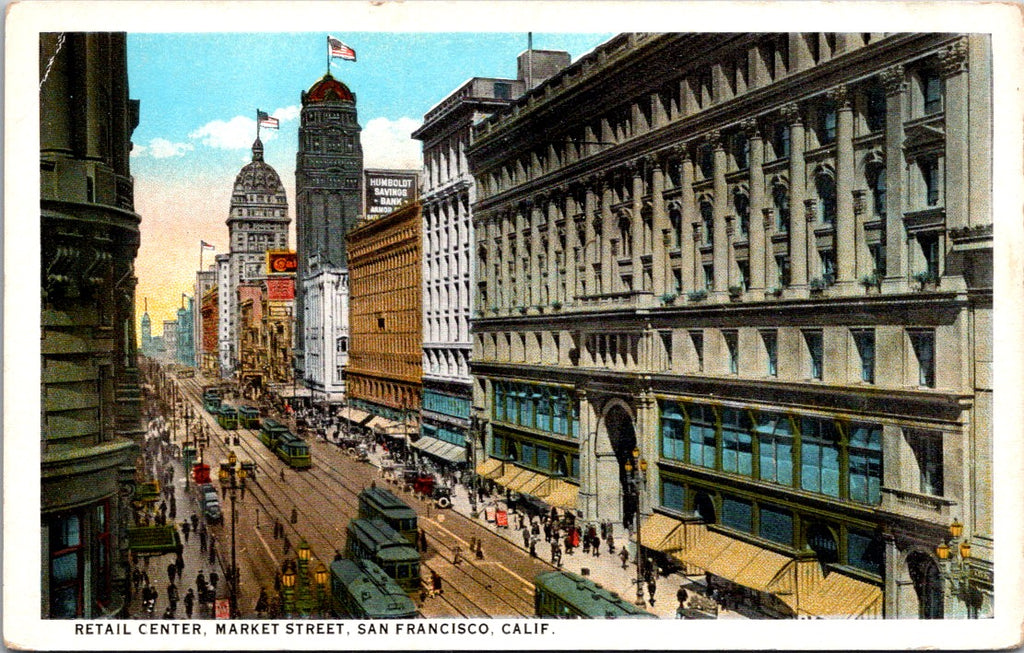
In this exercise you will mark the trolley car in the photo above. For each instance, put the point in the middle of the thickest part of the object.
(270, 431)
(381, 503)
(211, 402)
(361, 590)
(293, 450)
(374, 540)
(565, 595)
(248, 417)
(227, 417)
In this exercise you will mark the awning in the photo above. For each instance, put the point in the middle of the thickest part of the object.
(526, 477)
(511, 472)
(656, 530)
(154, 540)
(355, 416)
(441, 449)
(533, 485)
(378, 422)
(740, 562)
(562, 495)
(842, 597)
(490, 468)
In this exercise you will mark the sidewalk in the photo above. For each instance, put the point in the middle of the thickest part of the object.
(605, 569)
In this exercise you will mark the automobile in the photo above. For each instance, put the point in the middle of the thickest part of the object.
(212, 512)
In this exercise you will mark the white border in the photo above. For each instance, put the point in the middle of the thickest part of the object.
(22, 626)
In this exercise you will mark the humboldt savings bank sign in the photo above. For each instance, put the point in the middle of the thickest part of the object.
(386, 190)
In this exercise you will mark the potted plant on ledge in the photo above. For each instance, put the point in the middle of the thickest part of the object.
(556, 305)
(927, 279)
(697, 295)
(817, 285)
(774, 291)
(669, 298)
(735, 293)
(871, 282)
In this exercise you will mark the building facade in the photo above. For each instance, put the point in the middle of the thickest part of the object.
(763, 267)
(209, 359)
(186, 333)
(328, 169)
(91, 401)
(448, 195)
(205, 279)
(170, 336)
(384, 371)
(226, 349)
(146, 331)
(258, 221)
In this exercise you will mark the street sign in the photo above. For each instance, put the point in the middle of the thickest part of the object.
(222, 609)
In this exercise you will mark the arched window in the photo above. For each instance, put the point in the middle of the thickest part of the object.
(741, 203)
(928, 585)
(780, 198)
(625, 237)
(825, 184)
(675, 218)
(877, 184)
(707, 216)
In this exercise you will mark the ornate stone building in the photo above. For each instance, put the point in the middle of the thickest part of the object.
(328, 169)
(384, 372)
(258, 221)
(448, 196)
(761, 263)
(90, 421)
(205, 279)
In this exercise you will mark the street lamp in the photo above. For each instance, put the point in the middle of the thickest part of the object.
(288, 585)
(636, 475)
(321, 582)
(303, 598)
(232, 479)
(953, 561)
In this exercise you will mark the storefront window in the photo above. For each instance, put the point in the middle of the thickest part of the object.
(673, 495)
(65, 567)
(737, 514)
(497, 446)
(543, 458)
(866, 463)
(543, 399)
(864, 551)
(819, 457)
(673, 431)
(776, 524)
(529, 454)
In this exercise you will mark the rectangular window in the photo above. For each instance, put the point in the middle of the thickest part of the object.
(543, 458)
(929, 243)
(826, 124)
(502, 91)
(498, 446)
(819, 456)
(702, 435)
(929, 167)
(574, 471)
(927, 448)
(864, 551)
(732, 350)
(775, 447)
(815, 353)
(744, 274)
(775, 524)
(876, 108)
(878, 258)
(771, 350)
(923, 342)
(865, 455)
(673, 495)
(697, 337)
(737, 514)
(66, 567)
(931, 88)
(737, 442)
(543, 400)
(529, 454)
(709, 276)
(560, 420)
(782, 270)
(673, 431)
(864, 339)
(780, 140)
(828, 265)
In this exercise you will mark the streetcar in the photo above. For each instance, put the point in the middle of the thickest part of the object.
(380, 503)
(373, 539)
(293, 450)
(361, 590)
(211, 401)
(271, 431)
(248, 417)
(227, 417)
(565, 595)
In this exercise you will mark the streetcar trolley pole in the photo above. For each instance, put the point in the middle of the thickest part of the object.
(636, 470)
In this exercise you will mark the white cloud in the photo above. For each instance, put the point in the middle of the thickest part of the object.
(389, 144)
(285, 114)
(239, 132)
(161, 148)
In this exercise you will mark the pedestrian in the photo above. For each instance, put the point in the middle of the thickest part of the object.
(555, 552)
(586, 544)
(479, 550)
(651, 588)
(547, 531)
(136, 578)
(213, 580)
(611, 541)
(262, 603)
(213, 550)
(190, 599)
(185, 529)
(200, 581)
(456, 555)
(202, 539)
(295, 516)
(172, 596)
(595, 546)
(179, 563)
(423, 541)
(195, 521)
(526, 538)
(171, 570)
(624, 556)
(682, 596)
(435, 583)
(533, 548)
(568, 543)
(174, 507)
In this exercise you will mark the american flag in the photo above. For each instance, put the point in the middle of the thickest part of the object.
(266, 120)
(336, 48)
(206, 245)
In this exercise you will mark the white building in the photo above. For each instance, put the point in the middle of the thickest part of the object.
(225, 345)
(326, 332)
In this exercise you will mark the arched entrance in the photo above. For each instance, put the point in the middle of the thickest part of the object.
(924, 574)
(614, 500)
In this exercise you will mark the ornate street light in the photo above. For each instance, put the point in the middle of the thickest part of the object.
(636, 471)
(321, 581)
(953, 562)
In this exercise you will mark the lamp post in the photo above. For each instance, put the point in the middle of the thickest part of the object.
(953, 560)
(636, 471)
(288, 587)
(321, 581)
(232, 479)
(303, 598)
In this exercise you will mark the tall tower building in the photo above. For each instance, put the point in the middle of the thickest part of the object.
(90, 420)
(258, 222)
(328, 169)
(147, 332)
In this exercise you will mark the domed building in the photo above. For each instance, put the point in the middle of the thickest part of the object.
(257, 222)
(328, 172)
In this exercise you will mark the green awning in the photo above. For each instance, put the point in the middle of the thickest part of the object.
(154, 540)
(148, 491)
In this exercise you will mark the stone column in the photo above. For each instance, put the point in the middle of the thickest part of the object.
(553, 269)
(756, 238)
(637, 224)
(659, 227)
(687, 238)
(797, 175)
(895, 81)
(506, 225)
(864, 266)
(609, 284)
(588, 459)
(958, 165)
(845, 227)
(591, 249)
(721, 235)
(767, 222)
(570, 255)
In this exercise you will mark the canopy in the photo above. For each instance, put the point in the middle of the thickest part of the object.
(490, 468)
(656, 532)
(441, 449)
(154, 540)
(840, 596)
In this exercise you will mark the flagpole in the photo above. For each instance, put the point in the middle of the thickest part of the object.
(257, 124)
(328, 54)
(201, 248)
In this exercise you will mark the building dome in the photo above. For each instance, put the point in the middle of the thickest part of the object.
(258, 176)
(328, 89)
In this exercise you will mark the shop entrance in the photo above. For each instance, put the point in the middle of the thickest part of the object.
(616, 501)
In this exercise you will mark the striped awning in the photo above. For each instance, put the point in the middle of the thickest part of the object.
(533, 485)
(526, 477)
(656, 532)
(562, 495)
(354, 415)
(511, 472)
(490, 468)
(738, 561)
(841, 597)
(441, 449)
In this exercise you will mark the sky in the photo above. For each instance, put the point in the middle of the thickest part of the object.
(198, 98)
